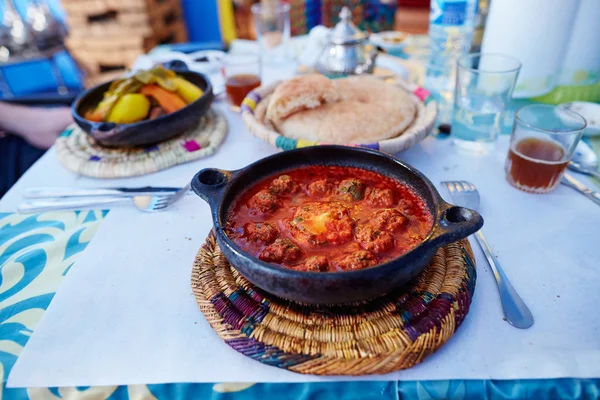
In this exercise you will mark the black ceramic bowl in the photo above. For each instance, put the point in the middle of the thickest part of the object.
(143, 133)
(220, 188)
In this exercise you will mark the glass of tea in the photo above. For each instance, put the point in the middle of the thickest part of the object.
(543, 140)
(242, 74)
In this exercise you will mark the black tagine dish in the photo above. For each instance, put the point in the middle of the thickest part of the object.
(222, 189)
(146, 132)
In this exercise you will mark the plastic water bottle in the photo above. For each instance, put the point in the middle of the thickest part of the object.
(451, 26)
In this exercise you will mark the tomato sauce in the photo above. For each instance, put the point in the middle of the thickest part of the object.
(328, 218)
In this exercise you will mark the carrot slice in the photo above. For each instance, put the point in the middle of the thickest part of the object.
(167, 100)
(94, 116)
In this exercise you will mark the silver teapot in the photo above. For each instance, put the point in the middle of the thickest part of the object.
(348, 52)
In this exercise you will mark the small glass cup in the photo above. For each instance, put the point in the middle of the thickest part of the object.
(484, 86)
(272, 24)
(242, 74)
(543, 140)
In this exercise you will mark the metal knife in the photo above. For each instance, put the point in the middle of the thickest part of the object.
(45, 192)
(571, 182)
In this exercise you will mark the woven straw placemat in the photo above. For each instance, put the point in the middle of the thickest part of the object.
(376, 337)
(254, 105)
(80, 153)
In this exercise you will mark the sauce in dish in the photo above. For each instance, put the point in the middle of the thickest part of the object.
(328, 219)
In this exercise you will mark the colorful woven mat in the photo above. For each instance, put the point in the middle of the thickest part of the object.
(255, 104)
(80, 153)
(376, 337)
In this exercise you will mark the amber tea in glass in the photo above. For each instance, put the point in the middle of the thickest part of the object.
(543, 140)
(242, 74)
(238, 86)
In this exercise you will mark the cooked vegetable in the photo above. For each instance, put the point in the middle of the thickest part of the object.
(159, 75)
(115, 91)
(171, 102)
(123, 86)
(95, 115)
(129, 109)
(187, 90)
(155, 112)
(144, 77)
(158, 87)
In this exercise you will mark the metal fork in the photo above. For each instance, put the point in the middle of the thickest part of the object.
(144, 203)
(465, 194)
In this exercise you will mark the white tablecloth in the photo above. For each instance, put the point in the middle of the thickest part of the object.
(125, 312)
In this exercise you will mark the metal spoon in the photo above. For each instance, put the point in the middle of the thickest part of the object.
(584, 160)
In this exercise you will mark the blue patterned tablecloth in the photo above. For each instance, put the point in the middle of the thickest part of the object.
(36, 251)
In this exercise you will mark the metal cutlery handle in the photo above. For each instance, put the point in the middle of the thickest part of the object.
(55, 205)
(68, 192)
(594, 196)
(515, 309)
(581, 188)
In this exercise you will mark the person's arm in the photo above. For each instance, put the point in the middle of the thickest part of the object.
(38, 126)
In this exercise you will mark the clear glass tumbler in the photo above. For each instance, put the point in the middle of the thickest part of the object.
(242, 73)
(272, 24)
(484, 86)
(543, 140)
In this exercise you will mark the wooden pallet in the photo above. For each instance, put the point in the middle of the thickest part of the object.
(106, 36)
(118, 21)
(93, 7)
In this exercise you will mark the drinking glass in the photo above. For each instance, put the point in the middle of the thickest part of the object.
(543, 140)
(440, 79)
(484, 86)
(242, 74)
(272, 24)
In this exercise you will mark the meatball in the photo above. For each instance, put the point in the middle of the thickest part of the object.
(352, 189)
(314, 264)
(389, 220)
(283, 185)
(260, 232)
(380, 197)
(373, 239)
(406, 206)
(319, 223)
(281, 250)
(264, 201)
(320, 188)
(357, 260)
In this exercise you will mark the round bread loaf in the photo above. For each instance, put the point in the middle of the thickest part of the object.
(298, 94)
(368, 110)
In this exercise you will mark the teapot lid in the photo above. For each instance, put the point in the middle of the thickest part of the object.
(345, 32)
